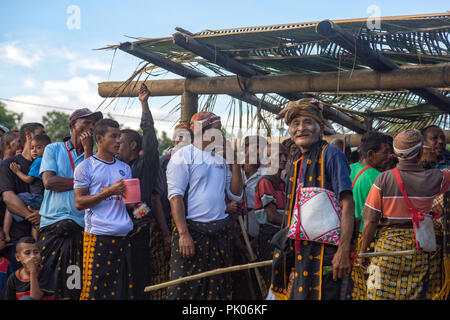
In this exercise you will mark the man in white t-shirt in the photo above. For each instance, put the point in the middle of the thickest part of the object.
(199, 178)
(98, 187)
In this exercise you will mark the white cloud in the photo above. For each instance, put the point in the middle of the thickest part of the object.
(88, 64)
(11, 53)
(29, 83)
(64, 53)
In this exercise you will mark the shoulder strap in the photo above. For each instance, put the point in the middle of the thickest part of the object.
(70, 155)
(360, 173)
(416, 216)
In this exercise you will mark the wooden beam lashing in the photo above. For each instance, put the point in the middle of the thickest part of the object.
(434, 76)
(369, 57)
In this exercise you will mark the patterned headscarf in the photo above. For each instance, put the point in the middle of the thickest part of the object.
(407, 144)
(308, 107)
(205, 117)
(182, 125)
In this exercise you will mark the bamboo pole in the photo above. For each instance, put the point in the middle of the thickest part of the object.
(257, 265)
(431, 76)
(386, 254)
(259, 278)
(208, 274)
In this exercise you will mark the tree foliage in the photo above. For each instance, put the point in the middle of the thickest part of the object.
(56, 125)
(11, 120)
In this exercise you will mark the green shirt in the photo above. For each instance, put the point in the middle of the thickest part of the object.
(362, 187)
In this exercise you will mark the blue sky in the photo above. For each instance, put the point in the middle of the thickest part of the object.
(43, 61)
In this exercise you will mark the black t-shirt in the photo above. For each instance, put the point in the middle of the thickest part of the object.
(17, 287)
(9, 181)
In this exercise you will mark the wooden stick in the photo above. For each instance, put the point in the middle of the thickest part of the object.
(259, 278)
(389, 254)
(208, 274)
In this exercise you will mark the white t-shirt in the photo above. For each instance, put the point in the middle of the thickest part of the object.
(209, 180)
(108, 217)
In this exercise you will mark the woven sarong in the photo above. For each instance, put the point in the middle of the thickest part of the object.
(265, 249)
(358, 283)
(410, 277)
(61, 244)
(160, 260)
(107, 272)
(212, 250)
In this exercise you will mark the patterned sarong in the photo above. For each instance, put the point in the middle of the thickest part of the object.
(141, 260)
(212, 250)
(265, 249)
(160, 260)
(107, 272)
(61, 244)
(408, 277)
(358, 283)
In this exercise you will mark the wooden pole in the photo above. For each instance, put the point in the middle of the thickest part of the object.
(432, 76)
(208, 274)
(259, 278)
(189, 106)
(386, 254)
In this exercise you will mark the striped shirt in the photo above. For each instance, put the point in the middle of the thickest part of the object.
(385, 203)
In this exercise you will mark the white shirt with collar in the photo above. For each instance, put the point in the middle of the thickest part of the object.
(209, 180)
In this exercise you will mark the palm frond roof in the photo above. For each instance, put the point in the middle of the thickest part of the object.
(421, 39)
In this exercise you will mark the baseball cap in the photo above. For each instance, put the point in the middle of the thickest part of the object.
(4, 129)
(83, 113)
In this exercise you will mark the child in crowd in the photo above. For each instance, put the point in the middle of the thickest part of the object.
(33, 281)
(36, 194)
(5, 266)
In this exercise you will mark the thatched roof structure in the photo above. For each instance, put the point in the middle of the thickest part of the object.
(405, 41)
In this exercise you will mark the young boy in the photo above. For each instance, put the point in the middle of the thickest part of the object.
(98, 188)
(32, 282)
(34, 198)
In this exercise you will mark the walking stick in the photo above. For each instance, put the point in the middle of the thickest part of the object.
(259, 278)
(208, 274)
(388, 253)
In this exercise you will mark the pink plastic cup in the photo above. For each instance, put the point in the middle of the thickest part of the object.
(132, 192)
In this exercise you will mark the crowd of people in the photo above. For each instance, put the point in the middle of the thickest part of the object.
(362, 225)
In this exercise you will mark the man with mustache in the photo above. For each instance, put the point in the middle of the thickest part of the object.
(318, 265)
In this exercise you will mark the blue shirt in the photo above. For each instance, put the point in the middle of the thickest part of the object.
(35, 167)
(58, 206)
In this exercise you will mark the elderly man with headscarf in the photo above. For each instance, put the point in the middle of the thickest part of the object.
(414, 276)
(198, 180)
(319, 219)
